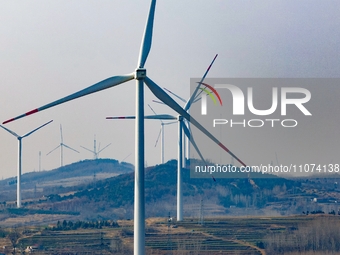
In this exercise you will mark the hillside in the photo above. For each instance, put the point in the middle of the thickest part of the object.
(35, 184)
(111, 197)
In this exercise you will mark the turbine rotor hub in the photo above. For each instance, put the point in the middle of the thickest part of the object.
(140, 73)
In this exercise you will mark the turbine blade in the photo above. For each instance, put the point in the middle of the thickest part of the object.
(187, 132)
(147, 38)
(152, 109)
(10, 131)
(161, 95)
(110, 82)
(193, 96)
(160, 117)
(159, 134)
(154, 112)
(87, 149)
(68, 147)
(104, 148)
(53, 149)
(180, 98)
(37, 128)
(121, 117)
(197, 98)
(126, 157)
(191, 139)
(150, 117)
(158, 102)
(169, 123)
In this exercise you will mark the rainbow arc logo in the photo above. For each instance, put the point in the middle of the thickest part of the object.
(211, 92)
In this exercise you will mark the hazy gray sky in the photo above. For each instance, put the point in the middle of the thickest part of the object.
(50, 49)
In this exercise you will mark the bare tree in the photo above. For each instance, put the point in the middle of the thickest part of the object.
(14, 236)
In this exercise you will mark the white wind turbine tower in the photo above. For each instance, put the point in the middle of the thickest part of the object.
(181, 128)
(140, 76)
(61, 145)
(19, 157)
(94, 151)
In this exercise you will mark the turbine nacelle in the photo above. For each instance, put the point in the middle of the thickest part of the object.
(140, 73)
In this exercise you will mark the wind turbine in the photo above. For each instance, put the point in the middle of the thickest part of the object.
(161, 134)
(140, 76)
(19, 157)
(181, 128)
(94, 151)
(61, 145)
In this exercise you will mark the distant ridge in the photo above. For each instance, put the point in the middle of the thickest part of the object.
(78, 169)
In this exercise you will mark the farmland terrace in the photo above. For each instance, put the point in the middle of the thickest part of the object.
(222, 235)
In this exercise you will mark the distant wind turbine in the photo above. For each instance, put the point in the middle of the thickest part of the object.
(94, 151)
(141, 77)
(19, 157)
(61, 145)
(161, 134)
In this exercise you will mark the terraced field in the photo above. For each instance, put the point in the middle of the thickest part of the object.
(239, 236)
(243, 236)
